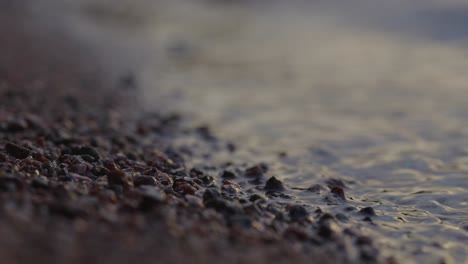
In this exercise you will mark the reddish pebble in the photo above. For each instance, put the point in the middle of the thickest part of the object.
(339, 192)
(185, 188)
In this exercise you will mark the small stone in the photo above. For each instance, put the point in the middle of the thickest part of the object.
(86, 150)
(256, 197)
(150, 197)
(144, 180)
(327, 229)
(231, 187)
(315, 188)
(40, 182)
(228, 175)
(210, 195)
(256, 171)
(117, 177)
(164, 179)
(298, 213)
(338, 192)
(78, 169)
(185, 188)
(335, 183)
(273, 184)
(17, 151)
(369, 211)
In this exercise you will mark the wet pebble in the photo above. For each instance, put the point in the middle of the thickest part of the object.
(338, 192)
(256, 171)
(211, 195)
(315, 188)
(228, 175)
(150, 197)
(369, 211)
(256, 197)
(273, 184)
(78, 169)
(86, 150)
(17, 151)
(298, 213)
(40, 182)
(185, 188)
(335, 183)
(144, 180)
(117, 177)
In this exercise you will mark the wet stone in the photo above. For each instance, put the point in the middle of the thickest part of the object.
(150, 197)
(256, 197)
(210, 195)
(144, 180)
(298, 213)
(78, 169)
(315, 188)
(117, 177)
(185, 188)
(327, 229)
(338, 192)
(86, 150)
(15, 125)
(256, 171)
(40, 182)
(369, 211)
(335, 183)
(228, 175)
(17, 151)
(273, 184)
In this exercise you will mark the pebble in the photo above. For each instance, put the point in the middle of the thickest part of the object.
(185, 188)
(228, 175)
(298, 213)
(256, 171)
(256, 197)
(273, 184)
(369, 211)
(144, 180)
(338, 192)
(117, 177)
(17, 151)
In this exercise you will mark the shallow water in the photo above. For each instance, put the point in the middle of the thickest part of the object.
(373, 94)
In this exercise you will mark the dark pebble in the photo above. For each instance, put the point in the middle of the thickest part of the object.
(342, 217)
(185, 188)
(257, 170)
(15, 125)
(327, 229)
(150, 198)
(117, 177)
(144, 180)
(363, 240)
(369, 211)
(335, 183)
(256, 197)
(326, 217)
(78, 169)
(86, 150)
(228, 175)
(298, 213)
(338, 192)
(210, 195)
(17, 151)
(196, 173)
(273, 184)
(315, 188)
(40, 182)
